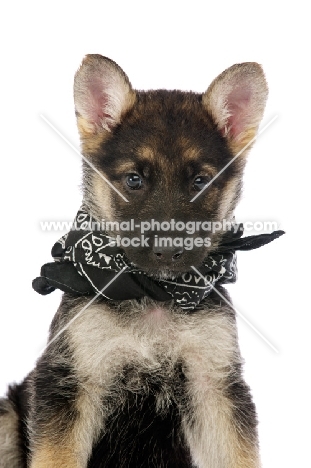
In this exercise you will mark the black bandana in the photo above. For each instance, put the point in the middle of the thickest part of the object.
(87, 261)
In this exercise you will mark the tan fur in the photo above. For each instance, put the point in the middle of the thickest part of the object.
(47, 456)
(244, 139)
(125, 168)
(225, 209)
(145, 153)
(75, 447)
(90, 420)
(90, 142)
(189, 152)
(102, 193)
(212, 437)
(209, 170)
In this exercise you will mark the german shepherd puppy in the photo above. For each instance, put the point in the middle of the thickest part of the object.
(142, 383)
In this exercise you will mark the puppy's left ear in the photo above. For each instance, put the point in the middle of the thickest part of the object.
(236, 101)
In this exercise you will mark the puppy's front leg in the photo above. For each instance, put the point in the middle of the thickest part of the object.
(219, 419)
(221, 433)
(57, 456)
(66, 413)
(66, 439)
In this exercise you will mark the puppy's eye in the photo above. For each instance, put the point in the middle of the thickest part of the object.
(200, 182)
(134, 181)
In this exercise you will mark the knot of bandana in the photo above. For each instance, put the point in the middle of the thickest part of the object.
(88, 261)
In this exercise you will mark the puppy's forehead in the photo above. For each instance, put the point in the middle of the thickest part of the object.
(176, 110)
(168, 131)
(171, 124)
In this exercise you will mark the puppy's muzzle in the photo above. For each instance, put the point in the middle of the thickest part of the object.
(167, 254)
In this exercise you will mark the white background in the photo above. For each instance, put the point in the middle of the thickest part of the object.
(168, 45)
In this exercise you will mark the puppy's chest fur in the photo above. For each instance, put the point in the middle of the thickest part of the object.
(151, 360)
(140, 339)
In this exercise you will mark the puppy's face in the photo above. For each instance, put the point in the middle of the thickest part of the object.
(158, 150)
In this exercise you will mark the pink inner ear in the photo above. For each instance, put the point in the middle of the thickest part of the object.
(98, 102)
(239, 107)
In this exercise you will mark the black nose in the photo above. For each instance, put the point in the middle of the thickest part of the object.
(168, 254)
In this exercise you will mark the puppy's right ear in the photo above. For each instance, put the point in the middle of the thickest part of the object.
(102, 94)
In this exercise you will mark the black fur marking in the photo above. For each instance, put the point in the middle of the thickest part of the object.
(55, 387)
(244, 411)
(139, 435)
(18, 396)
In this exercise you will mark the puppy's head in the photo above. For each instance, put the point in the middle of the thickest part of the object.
(152, 154)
